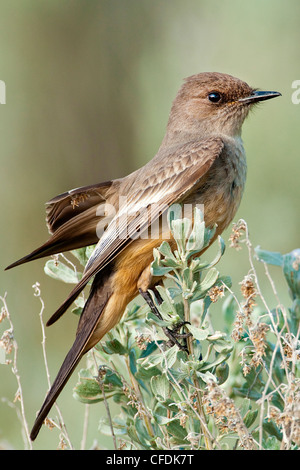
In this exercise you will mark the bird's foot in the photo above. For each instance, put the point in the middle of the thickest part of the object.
(172, 334)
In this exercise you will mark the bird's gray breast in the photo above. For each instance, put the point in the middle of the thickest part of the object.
(221, 188)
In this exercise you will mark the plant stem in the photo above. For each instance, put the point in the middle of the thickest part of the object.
(101, 385)
(61, 426)
(207, 440)
(139, 396)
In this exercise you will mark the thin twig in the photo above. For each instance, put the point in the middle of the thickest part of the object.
(19, 394)
(62, 426)
(85, 427)
(137, 391)
(207, 440)
(101, 385)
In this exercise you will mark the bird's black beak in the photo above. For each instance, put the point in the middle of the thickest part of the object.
(259, 96)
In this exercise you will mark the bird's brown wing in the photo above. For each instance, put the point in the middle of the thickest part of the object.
(72, 219)
(68, 205)
(169, 181)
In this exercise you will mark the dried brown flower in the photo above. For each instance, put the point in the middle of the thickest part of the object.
(244, 314)
(78, 199)
(227, 417)
(288, 420)
(238, 326)
(142, 340)
(257, 335)
(216, 292)
(249, 293)
(236, 234)
(49, 423)
(7, 341)
(3, 314)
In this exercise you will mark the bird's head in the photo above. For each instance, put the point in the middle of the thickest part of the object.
(213, 104)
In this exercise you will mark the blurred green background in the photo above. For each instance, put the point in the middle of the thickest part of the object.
(89, 85)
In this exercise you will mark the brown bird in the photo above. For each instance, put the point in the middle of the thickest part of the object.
(201, 161)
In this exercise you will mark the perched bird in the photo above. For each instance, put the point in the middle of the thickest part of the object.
(201, 161)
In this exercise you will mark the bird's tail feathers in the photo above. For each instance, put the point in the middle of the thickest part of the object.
(101, 291)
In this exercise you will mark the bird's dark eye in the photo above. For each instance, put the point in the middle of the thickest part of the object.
(214, 97)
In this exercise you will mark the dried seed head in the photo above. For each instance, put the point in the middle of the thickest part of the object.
(7, 341)
(216, 292)
(257, 335)
(226, 415)
(142, 341)
(236, 234)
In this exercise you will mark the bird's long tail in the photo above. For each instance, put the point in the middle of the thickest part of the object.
(101, 291)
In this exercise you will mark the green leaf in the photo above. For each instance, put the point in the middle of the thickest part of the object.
(87, 390)
(229, 308)
(250, 417)
(222, 372)
(196, 308)
(132, 434)
(166, 251)
(174, 213)
(61, 272)
(112, 378)
(187, 277)
(157, 270)
(132, 361)
(224, 280)
(180, 230)
(114, 347)
(83, 254)
(221, 345)
(198, 333)
(79, 302)
(160, 386)
(151, 317)
(77, 311)
(151, 347)
(222, 357)
(146, 374)
(271, 443)
(168, 306)
(156, 266)
(220, 253)
(176, 430)
(272, 429)
(142, 432)
(171, 356)
(208, 235)
(246, 406)
(163, 420)
(269, 257)
(150, 361)
(291, 270)
(80, 254)
(195, 241)
(246, 392)
(209, 279)
(104, 428)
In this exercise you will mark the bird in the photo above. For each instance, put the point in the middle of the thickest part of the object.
(201, 160)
